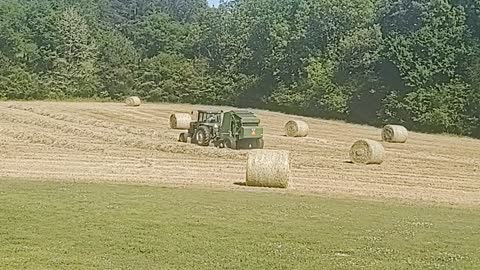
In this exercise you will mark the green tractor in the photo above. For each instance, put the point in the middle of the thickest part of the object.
(233, 129)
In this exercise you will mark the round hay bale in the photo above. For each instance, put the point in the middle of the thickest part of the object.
(296, 128)
(367, 152)
(394, 134)
(180, 120)
(267, 168)
(133, 101)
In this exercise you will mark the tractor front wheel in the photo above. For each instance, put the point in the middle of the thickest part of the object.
(202, 136)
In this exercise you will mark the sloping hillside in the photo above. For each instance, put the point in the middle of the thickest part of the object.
(114, 143)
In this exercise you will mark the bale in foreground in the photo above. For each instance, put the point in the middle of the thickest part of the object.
(180, 121)
(367, 152)
(296, 128)
(394, 134)
(133, 101)
(266, 168)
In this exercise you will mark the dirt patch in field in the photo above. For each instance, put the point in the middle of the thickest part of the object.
(113, 142)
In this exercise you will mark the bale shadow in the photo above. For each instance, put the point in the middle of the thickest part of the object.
(348, 162)
(242, 184)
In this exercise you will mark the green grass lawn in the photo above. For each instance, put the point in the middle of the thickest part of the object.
(102, 226)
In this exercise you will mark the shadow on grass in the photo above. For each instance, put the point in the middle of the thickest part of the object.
(243, 184)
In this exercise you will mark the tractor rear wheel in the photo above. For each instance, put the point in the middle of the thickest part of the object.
(202, 136)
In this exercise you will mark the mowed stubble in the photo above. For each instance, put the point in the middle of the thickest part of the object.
(110, 142)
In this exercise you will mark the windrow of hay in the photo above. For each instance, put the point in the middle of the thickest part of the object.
(367, 152)
(180, 120)
(296, 128)
(113, 137)
(36, 137)
(93, 122)
(268, 168)
(394, 134)
(133, 101)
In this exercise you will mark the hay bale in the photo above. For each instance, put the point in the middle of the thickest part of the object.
(180, 120)
(394, 134)
(296, 128)
(367, 152)
(267, 168)
(133, 101)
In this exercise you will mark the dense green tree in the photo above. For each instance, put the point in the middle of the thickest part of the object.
(169, 77)
(159, 33)
(16, 82)
(15, 36)
(425, 41)
(74, 70)
(415, 62)
(117, 63)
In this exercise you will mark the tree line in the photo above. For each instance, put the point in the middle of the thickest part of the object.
(411, 62)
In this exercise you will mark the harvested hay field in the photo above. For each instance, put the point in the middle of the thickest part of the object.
(110, 142)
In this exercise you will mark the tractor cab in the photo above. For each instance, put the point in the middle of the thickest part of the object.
(209, 117)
